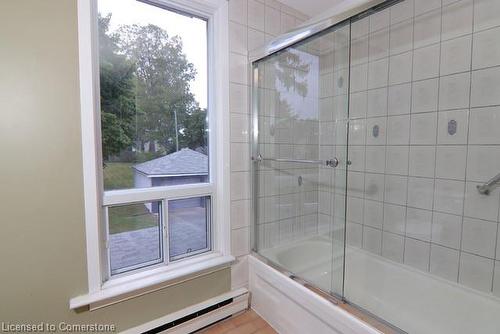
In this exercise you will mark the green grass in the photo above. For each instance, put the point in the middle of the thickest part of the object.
(130, 218)
(118, 175)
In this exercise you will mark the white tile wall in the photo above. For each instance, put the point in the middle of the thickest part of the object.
(437, 62)
(251, 23)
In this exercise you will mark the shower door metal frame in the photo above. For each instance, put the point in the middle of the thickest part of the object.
(358, 10)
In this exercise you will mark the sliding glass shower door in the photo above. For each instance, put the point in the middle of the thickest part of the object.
(370, 141)
(300, 147)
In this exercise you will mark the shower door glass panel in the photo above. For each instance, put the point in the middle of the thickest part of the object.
(422, 244)
(300, 97)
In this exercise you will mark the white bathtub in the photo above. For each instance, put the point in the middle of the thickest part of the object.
(412, 300)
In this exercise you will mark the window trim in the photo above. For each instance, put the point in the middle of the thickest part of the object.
(216, 14)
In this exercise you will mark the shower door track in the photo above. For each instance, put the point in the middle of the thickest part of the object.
(358, 312)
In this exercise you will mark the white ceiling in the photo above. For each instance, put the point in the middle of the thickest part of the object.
(311, 7)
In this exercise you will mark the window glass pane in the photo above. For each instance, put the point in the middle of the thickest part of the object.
(153, 81)
(135, 238)
(189, 226)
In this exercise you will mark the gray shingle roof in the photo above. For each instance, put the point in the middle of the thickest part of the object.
(183, 162)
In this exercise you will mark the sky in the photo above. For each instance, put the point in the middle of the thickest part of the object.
(193, 32)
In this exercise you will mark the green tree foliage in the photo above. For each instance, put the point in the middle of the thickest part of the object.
(145, 79)
(117, 83)
(163, 93)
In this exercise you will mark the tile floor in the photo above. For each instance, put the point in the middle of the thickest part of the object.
(246, 323)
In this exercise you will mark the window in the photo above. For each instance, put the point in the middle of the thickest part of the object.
(154, 122)
(155, 170)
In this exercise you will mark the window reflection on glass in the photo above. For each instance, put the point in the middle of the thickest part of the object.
(188, 226)
(153, 82)
(135, 238)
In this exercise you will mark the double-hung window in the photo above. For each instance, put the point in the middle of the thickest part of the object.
(154, 166)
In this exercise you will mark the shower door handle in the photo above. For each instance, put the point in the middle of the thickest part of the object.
(329, 163)
(332, 163)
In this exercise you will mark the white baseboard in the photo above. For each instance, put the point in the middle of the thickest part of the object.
(239, 303)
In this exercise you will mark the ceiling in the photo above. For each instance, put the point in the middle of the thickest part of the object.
(311, 7)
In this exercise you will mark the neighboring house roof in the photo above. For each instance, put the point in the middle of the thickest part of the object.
(183, 162)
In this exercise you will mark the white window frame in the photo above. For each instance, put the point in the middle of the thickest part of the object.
(103, 289)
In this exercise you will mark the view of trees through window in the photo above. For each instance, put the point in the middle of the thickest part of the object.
(153, 124)
(153, 98)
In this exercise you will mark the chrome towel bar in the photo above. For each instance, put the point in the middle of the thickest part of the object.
(486, 188)
(329, 163)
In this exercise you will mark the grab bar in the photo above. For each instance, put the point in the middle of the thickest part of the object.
(486, 188)
(329, 163)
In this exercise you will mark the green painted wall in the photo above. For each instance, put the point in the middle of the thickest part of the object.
(42, 233)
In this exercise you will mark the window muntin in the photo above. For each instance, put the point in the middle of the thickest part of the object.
(154, 133)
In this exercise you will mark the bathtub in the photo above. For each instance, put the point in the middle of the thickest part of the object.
(409, 299)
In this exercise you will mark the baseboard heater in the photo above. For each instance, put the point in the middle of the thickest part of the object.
(198, 316)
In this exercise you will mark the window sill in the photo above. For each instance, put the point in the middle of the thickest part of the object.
(134, 285)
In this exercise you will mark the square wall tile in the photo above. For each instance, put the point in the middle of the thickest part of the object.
(450, 162)
(376, 129)
(427, 27)
(482, 162)
(373, 214)
(372, 239)
(454, 91)
(481, 206)
(420, 192)
(359, 51)
(401, 36)
(484, 126)
(256, 15)
(496, 281)
(418, 224)
(486, 52)
(453, 127)
(426, 62)
(425, 96)
(377, 102)
(379, 45)
(374, 187)
(375, 159)
(398, 129)
(417, 254)
(476, 272)
(399, 100)
(486, 14)
(402, 11)
(456, 55)
(238, 11)
(397, 160)
(485, 87)
(378, 73)
(422, 161)
(446, 229)
(457, 19)
(400, 68)
(444, 262)
(424, 6)
(354, 234)
(395, 189)
(479, 237)
(379, 20)
(449, 196)
(272, 21)
(394, 218)
(237, 38)
(240, 241)
(423, 129)
(392, 246)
